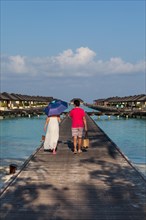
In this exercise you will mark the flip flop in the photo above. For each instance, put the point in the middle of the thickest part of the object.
(75, 151)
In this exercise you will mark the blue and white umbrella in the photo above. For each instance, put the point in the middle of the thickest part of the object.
(56, 107)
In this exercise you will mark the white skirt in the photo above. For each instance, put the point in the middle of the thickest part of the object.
(52, 134)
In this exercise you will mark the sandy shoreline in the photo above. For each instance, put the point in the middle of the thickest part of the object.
(141, 168)
(5, 175)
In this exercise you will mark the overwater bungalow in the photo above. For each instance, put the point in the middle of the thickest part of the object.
(131, 102)
(19, 101)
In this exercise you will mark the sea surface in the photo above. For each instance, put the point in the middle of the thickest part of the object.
(20, 137)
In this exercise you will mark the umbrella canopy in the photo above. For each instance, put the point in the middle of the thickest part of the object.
(56, 107)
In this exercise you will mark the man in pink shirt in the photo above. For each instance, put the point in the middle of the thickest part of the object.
(79, 123)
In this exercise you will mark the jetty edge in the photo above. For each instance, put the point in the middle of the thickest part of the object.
(19, 168)
(99, 183)
(122, 153)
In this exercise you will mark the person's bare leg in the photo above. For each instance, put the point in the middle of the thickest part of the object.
(54, 151)
(55, 146)
(75, 143)
(79, 144)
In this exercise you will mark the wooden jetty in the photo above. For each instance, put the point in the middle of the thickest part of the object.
(98, 111)
(99, 183)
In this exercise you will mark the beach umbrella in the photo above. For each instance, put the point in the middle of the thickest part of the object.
(56, 107)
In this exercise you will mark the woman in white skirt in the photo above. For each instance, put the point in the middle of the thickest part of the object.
(52, 133)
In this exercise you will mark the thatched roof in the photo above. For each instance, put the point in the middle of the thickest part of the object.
(9, 97)
(19, 97)
(135, 98)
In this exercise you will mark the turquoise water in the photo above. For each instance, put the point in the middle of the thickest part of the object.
(19, 137)
(128, 134)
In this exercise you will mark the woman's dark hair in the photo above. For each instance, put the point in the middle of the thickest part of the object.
(76, 102)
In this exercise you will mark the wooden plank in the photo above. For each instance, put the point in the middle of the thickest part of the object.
(96, 184)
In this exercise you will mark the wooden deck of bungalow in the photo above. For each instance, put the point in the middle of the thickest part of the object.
(97, 184)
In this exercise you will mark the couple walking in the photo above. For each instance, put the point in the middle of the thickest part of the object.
(79, 123)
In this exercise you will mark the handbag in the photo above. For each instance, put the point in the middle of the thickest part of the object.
(85, 142)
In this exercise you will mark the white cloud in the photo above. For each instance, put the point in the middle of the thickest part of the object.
(81, 63)
(83, 56)
(15, 64)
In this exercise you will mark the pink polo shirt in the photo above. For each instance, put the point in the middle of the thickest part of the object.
(77, 115)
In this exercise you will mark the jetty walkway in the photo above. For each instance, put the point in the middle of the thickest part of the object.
(97, 184)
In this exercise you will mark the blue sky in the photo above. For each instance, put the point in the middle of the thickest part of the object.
(67, 49)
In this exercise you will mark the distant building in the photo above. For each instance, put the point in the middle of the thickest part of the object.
(134, 102)
(14, 101)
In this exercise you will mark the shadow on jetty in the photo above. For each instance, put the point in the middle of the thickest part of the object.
(106, 195)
